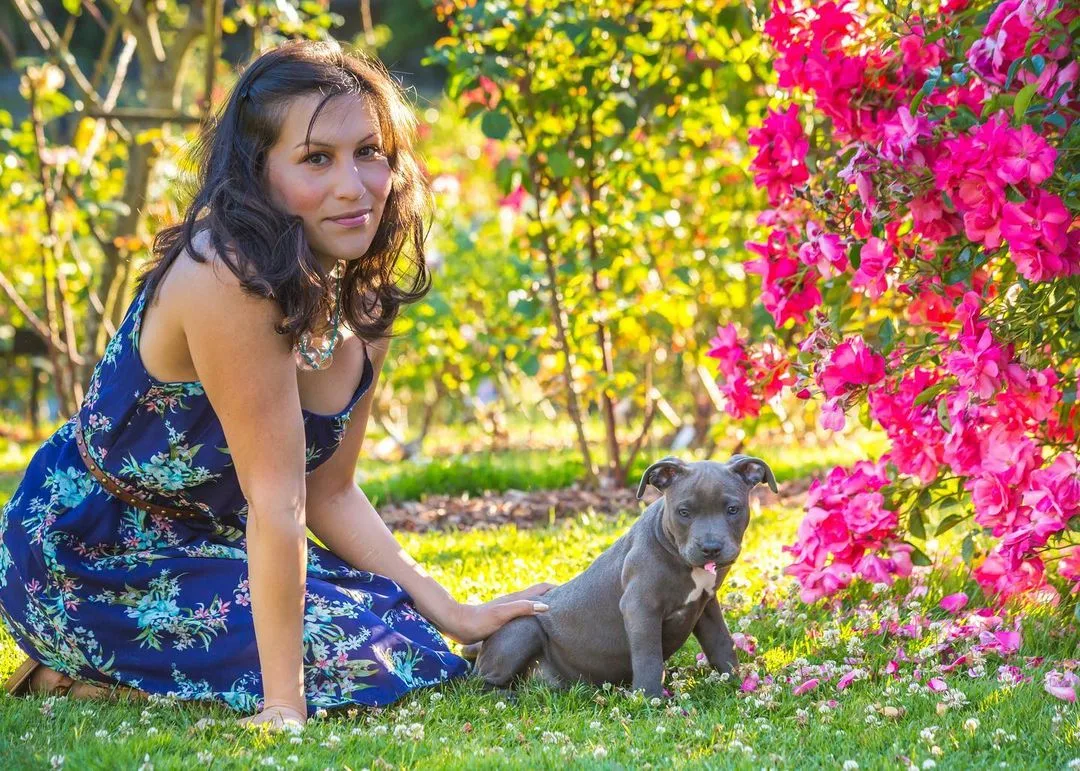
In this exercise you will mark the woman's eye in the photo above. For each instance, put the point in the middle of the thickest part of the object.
(371, 147)
(315, 155)
(732, 509)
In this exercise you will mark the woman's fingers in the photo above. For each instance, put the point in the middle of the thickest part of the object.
(521, 608)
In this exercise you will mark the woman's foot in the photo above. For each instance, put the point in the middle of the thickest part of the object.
(49, 681)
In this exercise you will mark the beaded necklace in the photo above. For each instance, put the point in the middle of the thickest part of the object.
(317, 352)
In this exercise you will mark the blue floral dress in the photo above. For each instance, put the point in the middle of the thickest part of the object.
(106, 592)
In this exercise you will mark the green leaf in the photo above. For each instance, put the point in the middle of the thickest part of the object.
(929, 393)
(949, 523)
(560, 164)
(916, 526)
(967, 549)
(887, 332)
(495, 125)
(627, 116)
(1023, 99)
(531, 365)
(652, 181)
(918, 557)
(943, 416)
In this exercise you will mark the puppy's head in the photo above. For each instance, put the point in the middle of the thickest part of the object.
(707, 504)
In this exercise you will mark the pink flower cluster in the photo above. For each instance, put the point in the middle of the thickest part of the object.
(750, 376)
(942, 217)
(847, 531)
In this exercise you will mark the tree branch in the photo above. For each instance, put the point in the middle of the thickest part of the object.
(33, 14)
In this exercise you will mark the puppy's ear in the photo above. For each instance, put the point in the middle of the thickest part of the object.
(661, 474)
(753, 470)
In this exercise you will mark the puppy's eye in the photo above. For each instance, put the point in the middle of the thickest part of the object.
(732, 509)
(684, 512)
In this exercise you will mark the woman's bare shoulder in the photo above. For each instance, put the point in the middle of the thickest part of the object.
(210, 281)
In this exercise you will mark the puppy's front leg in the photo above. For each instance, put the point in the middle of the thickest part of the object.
(644, 631)
(715, 639)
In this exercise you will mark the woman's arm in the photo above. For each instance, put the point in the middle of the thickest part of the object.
(249, 376)
(341, 516)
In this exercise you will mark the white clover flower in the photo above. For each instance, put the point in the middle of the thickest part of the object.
(971, 724)
(851, 765)
(599, 753)
(56, 761)
(929, 763)
(500, 705)
(595, 725)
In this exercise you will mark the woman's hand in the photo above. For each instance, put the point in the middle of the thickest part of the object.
(473, 623)
(277, 716)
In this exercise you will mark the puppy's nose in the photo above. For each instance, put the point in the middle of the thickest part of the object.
(712, 550)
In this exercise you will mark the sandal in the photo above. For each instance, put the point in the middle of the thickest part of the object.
(19, 682)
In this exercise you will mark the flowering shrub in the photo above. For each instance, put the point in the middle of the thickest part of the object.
(922, 250)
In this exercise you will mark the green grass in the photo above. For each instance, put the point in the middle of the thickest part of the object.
(709, 723)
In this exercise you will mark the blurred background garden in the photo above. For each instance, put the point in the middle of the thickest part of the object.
(842, 237)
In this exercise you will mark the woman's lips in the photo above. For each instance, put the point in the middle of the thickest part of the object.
(353, 222)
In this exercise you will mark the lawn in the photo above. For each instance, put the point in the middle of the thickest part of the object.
(908, 704)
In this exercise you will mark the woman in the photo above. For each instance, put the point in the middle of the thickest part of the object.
(158, 538)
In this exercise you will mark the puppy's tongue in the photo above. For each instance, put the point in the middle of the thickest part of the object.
(711, 567)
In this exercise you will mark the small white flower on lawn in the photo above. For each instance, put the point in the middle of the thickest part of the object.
(204, 757)
(660, 729)
(595, 725)
(56, 761)
(500, 705)
(851, 765)
(929, 763)
(599, 753)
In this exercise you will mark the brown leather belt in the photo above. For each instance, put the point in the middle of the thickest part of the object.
(115, 488)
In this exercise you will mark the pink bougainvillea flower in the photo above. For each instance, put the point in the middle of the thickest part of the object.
(1061, 685)
(1005, 642)
(877, 259)
(954, 603)
(802, 688)
(937, 685)
(852, 364)
(979, 364)
(780, 162)
(744, 642)
(849, 677)
(831, 416)
(750, 683)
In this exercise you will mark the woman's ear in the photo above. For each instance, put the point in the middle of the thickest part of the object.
(661, 474)
(753, 470)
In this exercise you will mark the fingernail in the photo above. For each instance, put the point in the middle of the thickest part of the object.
(539, 607)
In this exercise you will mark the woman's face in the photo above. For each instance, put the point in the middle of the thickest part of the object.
(339, 183)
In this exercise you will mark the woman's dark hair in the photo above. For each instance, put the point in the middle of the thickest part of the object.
(264, 246)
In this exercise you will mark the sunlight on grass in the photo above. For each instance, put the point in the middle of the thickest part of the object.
(877, 722)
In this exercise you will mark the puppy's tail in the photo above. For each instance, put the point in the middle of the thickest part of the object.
(471, 651)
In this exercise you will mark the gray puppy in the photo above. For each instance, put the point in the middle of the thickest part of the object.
(638, 602)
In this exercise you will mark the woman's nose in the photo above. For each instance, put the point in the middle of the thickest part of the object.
(350, 183)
